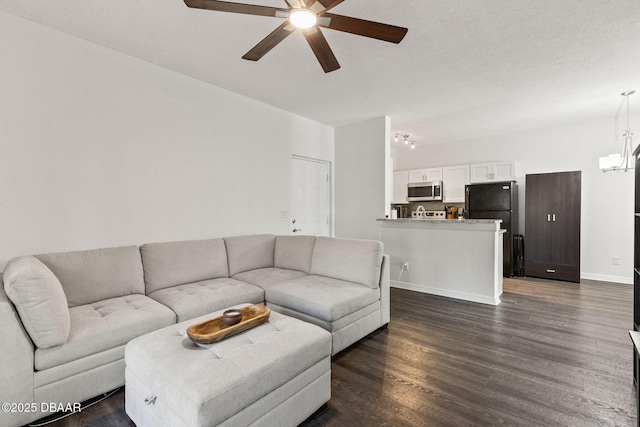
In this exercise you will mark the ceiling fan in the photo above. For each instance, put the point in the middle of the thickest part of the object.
(307, 16)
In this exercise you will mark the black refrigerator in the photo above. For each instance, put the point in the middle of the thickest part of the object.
(496, 201)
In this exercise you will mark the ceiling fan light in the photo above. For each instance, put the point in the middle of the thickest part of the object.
(303, 18)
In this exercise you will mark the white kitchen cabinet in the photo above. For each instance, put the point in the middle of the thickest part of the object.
(425, 175)
(454, 179)
(480, 172)
(492, 172)
(400, 181)
(416, 175)
(434, 174)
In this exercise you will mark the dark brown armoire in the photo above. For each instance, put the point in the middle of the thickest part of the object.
(552, 225)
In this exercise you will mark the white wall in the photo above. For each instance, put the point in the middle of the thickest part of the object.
(607, 199)
(100, 149)
(361, 174)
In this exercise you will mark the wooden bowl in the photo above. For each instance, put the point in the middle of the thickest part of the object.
(214, 330)
(231, 317)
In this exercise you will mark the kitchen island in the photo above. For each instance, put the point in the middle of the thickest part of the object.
(453, 258)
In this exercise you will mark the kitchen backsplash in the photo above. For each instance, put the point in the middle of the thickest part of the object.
(429, 206)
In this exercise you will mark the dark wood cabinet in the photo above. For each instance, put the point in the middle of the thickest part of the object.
(552, 225)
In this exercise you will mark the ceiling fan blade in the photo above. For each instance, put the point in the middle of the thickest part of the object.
(295, 4)
(321, 49)
(329, 4)
(225, 6)
(321, 6)
(361, 27)
(269, 42)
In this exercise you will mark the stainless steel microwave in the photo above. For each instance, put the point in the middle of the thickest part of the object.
(424, 191)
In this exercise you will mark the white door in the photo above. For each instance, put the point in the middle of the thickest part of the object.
(310, 197)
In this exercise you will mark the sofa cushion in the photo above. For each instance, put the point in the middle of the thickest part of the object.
(294, 252)
(322, 297)
(38, 296)
(176, 263)
(352, 260)
(105, 325)
(195, 299)
(265, 277)
(347, 321)
(246, 253)
(96, 275)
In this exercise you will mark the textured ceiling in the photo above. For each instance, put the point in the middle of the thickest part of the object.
(466, 68)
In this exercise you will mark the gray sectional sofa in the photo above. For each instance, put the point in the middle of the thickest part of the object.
(65, 318)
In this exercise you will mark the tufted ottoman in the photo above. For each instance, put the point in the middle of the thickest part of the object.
(277, 373)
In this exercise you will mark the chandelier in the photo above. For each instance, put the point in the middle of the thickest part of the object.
(621, 161)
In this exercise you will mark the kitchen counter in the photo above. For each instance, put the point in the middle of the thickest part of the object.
(445, 221)
(449, 257)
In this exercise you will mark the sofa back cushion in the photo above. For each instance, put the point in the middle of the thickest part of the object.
(39, 299)
(246, 253)
(294, 252)
(96, 275)
(352, 260)
(177, 263)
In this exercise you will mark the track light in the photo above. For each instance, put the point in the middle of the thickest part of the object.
(405, 139)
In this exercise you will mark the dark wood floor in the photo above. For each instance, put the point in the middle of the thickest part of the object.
(552, 354)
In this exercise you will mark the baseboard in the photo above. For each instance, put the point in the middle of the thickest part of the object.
(605, 278)
(446, 293)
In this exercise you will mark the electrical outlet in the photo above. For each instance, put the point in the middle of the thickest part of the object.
(405, 266)
(616, 260)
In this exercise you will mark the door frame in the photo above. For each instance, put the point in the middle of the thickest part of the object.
(330, 191)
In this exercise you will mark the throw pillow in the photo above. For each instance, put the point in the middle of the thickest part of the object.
(41, 303)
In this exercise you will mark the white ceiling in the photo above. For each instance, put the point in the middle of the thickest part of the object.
(467, 68)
